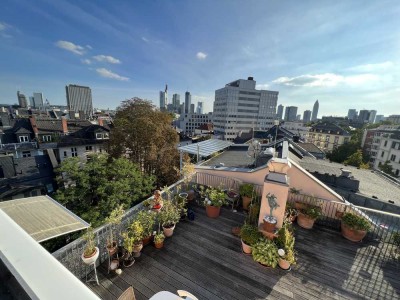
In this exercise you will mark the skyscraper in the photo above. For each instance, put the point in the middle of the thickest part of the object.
(79, 99)
(279, 114)
(307, 116)
(176, 102)
(22, 101)
(199, 107)
(188, 100)
(372, 115)
(363, 116)
(379, 118)
(314, 116)
(352, 114)
(164, 98)
(191, 108)
(290, 113)
(239, 107)
(38, 100)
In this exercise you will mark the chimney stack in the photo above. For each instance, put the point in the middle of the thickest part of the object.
(100, 120)
(32, 119)
(64, 125)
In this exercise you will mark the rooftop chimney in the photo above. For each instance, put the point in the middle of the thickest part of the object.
(32, 119)
(345, 173)
(100, 120)
(64, 125)
(250, 78)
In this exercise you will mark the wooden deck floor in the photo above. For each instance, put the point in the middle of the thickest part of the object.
(204, 258)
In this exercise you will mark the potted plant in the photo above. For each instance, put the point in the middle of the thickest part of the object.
(159, 240)
(91, 252)
(147, 219)
(215, 199)
(396, 242)
(290, 212)
(136, 233)
(157, 201)
(354, 227)
(114, 219)
(249, 235)
(265, 252)
(246, 190)
(169, 216)
(128, 245)
(180, 200)
(307, 215)
(269, 222)
(285, 242)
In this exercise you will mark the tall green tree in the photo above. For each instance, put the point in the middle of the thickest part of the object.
(92, 190)
(145, 136)
(387, 168)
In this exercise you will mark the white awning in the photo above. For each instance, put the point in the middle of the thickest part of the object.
(206, 148)
(42, 217)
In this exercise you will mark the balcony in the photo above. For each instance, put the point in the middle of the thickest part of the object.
(203, 257)
(18, 146)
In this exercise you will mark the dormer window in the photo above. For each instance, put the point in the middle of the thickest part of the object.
(101, 136)
(23, 138)
(46, 138)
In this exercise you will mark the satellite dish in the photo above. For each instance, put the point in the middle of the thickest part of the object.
(269, 151)
(254, 149)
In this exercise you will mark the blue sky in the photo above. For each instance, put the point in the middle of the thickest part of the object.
(344, 53)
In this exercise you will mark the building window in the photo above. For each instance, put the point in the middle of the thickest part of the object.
(346, 140)
(393, 157)
(46, 138)
(65, 154)
(74, 152)
(336, 139)
(327, 138)
(89, 148)
(23, 138)
(385, 144)
(26, 154)
(99, 136)
(382, 154)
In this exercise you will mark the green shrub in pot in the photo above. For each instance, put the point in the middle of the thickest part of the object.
(266, 253)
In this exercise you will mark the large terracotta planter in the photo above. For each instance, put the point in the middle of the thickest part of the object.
(213, 211)
(246, 202)
(91, 258)
(284, 264)
(169, 231)
(352, 234)
(246, 248)
(112, 249)
(304, 221)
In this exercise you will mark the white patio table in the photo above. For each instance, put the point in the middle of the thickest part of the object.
(165, 295)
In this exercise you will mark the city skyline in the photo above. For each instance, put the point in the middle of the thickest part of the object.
(353, 59)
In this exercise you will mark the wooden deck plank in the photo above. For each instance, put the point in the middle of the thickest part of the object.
(204, 258)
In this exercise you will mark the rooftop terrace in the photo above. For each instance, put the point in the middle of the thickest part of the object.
(204, 258)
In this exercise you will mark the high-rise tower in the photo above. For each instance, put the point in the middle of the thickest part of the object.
(164, 98)
(79, 98)
(314, 115)
(188, 100)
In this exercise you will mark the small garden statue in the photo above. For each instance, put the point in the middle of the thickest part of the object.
(157, 201)
(270, 221)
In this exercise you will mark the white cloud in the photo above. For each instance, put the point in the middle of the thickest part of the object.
(108, 74)
(262, 86)
(2, 26)
(71, 47)
(372, 67)
(86, 61)
(4, 29)
(89, 47)
(325, 80)
(201, 55)
(144, 39)
(107, 58)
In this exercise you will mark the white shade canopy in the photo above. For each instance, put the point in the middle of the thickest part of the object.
(206, 148)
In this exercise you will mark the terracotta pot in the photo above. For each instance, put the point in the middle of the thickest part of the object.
(246, 202)
(213, 211)
(299, 205)
(352, 234)
(147, 240)
(91, 258)
(137, 247)
(284, 264)
(112, 250)
(269, 225)
(169, 231)
(128, 261)
(304, 221)
(159, 245)
(246, 248)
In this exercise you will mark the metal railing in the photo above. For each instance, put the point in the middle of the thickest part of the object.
(18, 146)
(70, 255)
(384, 225)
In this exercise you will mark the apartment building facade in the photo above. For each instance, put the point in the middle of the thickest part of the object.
(240, 107)
(327, 136)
